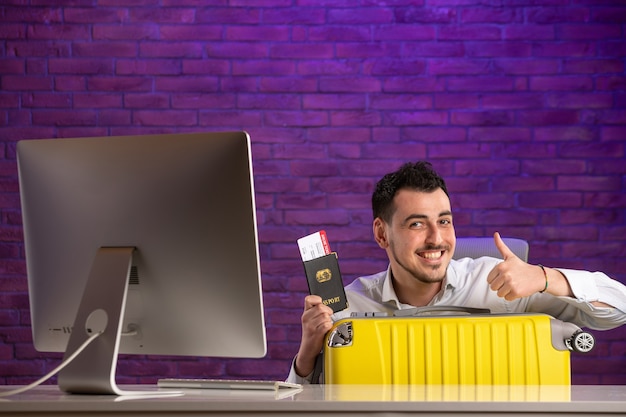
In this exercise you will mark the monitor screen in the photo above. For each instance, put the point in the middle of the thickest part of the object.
(150, 240)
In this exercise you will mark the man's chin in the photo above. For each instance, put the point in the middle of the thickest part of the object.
(433, 275)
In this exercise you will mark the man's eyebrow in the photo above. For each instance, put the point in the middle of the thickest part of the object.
(423, 216)
(415, 216)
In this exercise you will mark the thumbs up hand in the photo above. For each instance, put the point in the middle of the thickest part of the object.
(514, 278)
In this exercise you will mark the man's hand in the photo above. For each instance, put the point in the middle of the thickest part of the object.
(514, 278)
(316, 322)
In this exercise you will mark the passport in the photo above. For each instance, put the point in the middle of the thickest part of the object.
(324, 279)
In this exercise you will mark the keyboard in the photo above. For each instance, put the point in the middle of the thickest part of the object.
(228, 384)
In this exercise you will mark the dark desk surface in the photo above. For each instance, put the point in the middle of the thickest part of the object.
(332, 400)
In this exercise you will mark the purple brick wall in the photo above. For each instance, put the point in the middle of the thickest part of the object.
(522, 108)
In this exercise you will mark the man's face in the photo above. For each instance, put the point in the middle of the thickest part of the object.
(420, 238)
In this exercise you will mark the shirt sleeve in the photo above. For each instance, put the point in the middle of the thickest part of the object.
(587, 287)
(297, 379)
(596, 286)
(315, 377)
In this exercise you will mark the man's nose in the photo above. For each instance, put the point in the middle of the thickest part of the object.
(434, 236)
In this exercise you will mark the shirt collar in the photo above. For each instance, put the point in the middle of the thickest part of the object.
(389, 293)
(451, 281)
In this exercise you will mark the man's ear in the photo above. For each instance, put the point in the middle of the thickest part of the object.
(380, 232)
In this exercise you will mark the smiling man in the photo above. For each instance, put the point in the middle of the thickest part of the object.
(413, 223)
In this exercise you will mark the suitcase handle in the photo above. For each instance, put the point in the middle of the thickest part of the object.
(439, 310)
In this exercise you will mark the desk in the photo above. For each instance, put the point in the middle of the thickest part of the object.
(330, 400)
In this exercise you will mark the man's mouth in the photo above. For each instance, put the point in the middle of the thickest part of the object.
(431, 254)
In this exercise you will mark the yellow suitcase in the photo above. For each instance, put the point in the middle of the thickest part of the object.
(423, 346)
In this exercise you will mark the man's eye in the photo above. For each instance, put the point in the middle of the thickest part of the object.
(446, 221)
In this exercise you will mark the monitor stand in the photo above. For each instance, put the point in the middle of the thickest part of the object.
(101, 310)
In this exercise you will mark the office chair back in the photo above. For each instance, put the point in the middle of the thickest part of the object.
(475, 247)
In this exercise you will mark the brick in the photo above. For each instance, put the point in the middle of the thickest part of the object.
(300, 51)
(268, 101)
(348, 135)
(287, 84)
(550, 199)
(202, 101)
(339, 33)
(404, 32)
(186, 84)
(333, 101)
(205, 66)
(491, 15)
(395, 67)
(194, 33)
(529, 32)
(154, 101)
(474, 32)
(105, 49)
(119, 83)
(548, 117)
(499, 134)
(33, 48)
(564, 49)
(553, 166)
(263, 67)
(485, 118)
(58, 32)
(580, 100)
(64, 118)
(354, 118)
(325, 67)
(170, 50)
(236, 50)
(586, 32)
(229, 15)
(554, 15)
(456, 67)
(255, 33)
(162, 15)
(295, 16)
(165, 118)
(229, 119)
(127, 32)
(47, 100)
(593, 150)
(413, 84)
(365, 15)
(293, 118)
(587, 183)
(97, 100)
(367, 50)
(12, 31)
(80, 66)
(433, 135)
(148, 67)
(600, 216)
(22, 83)
(434, 49)
(400, 118)
(400, 101)
(595, 67)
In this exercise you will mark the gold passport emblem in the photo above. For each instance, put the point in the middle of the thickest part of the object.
(323, 275)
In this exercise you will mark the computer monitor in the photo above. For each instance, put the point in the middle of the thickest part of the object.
(151, 240)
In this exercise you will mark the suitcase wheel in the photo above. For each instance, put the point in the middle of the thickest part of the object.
(581, 342)
(341, 335)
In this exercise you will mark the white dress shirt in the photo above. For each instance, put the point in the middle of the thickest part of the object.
(466, 285)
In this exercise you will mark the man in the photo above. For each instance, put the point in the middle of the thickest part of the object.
(413, 224)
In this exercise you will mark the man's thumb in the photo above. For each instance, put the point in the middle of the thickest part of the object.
(502, 247)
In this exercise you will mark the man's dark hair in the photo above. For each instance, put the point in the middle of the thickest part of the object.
(418, 176)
